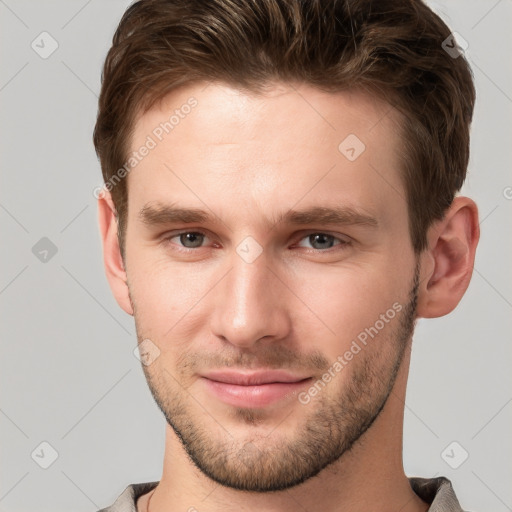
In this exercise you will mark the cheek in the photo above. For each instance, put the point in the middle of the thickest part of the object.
(164, 295)
(329, 305)
(340, 303)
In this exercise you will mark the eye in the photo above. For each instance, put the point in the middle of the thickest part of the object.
(188, 239)
(321, 241)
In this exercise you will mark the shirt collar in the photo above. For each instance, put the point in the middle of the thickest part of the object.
(438, 492)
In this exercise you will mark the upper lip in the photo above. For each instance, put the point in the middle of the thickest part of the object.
(253, 378)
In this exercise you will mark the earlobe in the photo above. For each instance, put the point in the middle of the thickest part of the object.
(114, 265)
(449, 259)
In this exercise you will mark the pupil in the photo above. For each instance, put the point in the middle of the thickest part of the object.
(192, 238)
(321, 239)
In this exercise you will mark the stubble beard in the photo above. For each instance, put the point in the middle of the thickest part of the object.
(277, 462)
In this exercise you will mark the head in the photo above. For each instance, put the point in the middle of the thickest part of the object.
(280, 195)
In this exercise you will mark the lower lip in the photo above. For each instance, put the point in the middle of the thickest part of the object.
(254, 396)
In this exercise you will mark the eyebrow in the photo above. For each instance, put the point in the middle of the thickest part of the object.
(161, 214)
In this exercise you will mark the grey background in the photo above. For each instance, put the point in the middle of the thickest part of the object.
(68, 373)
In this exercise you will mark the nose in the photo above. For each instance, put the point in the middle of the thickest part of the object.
(250, 304)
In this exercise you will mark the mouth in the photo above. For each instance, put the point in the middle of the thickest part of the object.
(254, 389)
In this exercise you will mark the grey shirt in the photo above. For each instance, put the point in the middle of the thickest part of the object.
(438, 492)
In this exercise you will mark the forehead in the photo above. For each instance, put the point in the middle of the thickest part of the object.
(266, 152)
(225, 114)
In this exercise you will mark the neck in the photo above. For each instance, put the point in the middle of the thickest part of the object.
(370, 472)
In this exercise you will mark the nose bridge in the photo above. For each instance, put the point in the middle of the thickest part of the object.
(249, 303)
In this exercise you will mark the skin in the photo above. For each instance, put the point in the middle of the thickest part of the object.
(248, 158)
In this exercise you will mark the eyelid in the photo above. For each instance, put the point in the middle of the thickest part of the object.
(309, 232)
(343, 239)
(166, 238)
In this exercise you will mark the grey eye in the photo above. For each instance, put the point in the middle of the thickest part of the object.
(191, 240)
(320, 241)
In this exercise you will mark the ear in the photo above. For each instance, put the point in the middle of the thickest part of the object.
(114, 265)
(447, 264)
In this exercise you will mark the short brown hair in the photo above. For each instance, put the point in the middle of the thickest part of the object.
(394, 48)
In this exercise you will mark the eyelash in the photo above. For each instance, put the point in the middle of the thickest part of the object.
(342, 245)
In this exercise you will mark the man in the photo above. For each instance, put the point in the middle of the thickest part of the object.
(279, 208)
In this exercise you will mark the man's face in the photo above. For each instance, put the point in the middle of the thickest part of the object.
(279, 334)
